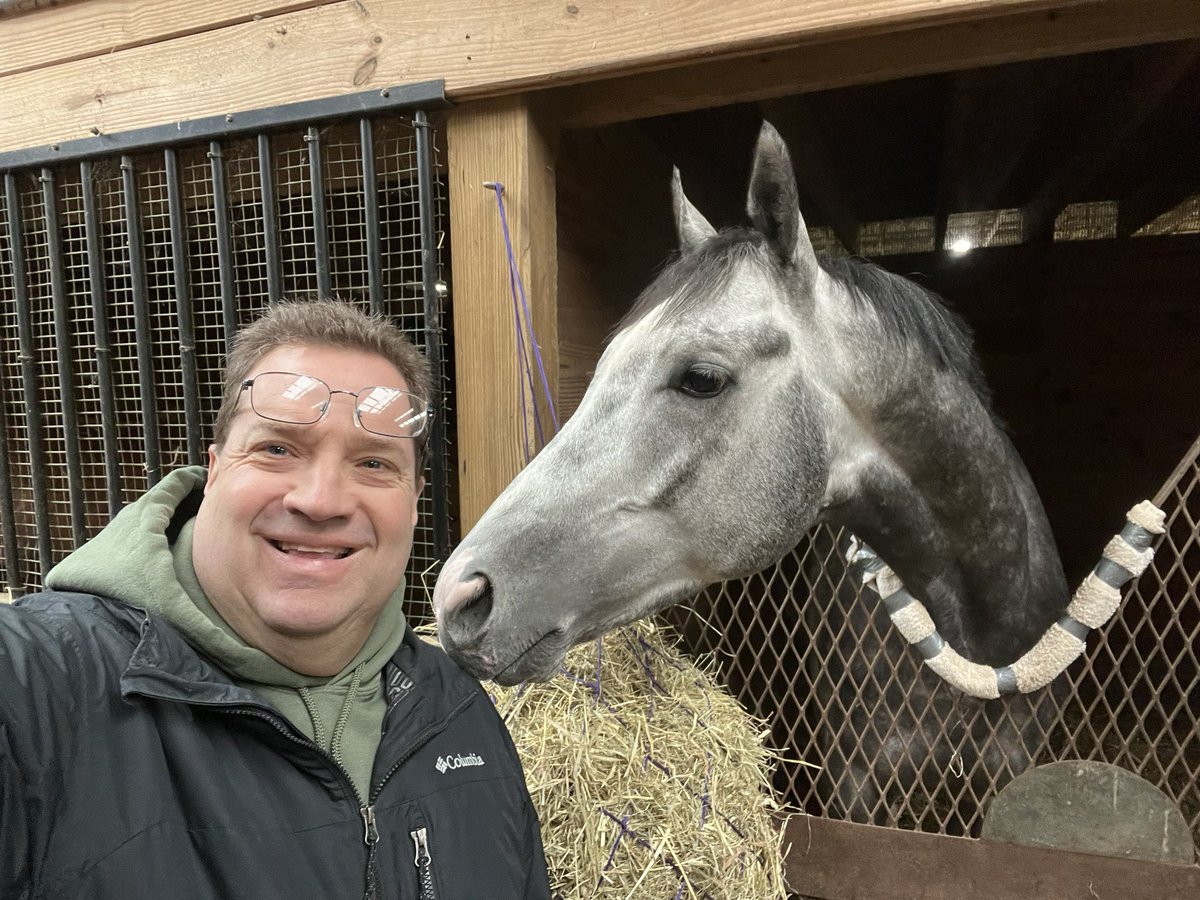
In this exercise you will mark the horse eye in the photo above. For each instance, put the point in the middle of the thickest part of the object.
(703, 381)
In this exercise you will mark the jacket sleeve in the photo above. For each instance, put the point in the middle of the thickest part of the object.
(32, 670)
(537, 885)
(15, 875)
(15, 872)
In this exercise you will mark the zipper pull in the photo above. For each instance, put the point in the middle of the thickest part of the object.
(421, 841)
(370, 834)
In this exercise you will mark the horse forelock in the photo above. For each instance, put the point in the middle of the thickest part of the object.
(913, 315)
(690, 277)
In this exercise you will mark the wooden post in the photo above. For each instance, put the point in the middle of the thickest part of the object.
(499, 140)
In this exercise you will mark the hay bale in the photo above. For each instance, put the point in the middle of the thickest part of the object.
(650, 780)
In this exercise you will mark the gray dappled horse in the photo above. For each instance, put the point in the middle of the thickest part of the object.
(753, 391)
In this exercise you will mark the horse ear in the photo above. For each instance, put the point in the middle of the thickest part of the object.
(774, 203)
(693, 229)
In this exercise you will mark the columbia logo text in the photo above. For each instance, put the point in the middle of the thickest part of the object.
(459, 761)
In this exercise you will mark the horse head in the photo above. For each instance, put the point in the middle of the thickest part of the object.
(700, 451)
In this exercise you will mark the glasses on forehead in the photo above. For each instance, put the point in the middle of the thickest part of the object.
(303, 400)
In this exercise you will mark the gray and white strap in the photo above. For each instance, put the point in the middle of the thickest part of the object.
(1125, 557)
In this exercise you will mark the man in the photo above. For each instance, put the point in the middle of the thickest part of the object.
(218, 696)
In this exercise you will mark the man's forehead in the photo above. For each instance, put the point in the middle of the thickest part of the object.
(342, 368)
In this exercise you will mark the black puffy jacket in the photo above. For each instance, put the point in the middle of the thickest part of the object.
(131, 767)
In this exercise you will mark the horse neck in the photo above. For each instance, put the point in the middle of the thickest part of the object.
(938, 491)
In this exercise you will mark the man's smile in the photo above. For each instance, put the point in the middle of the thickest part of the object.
(310, 550)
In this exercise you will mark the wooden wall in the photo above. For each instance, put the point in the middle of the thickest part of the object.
(113, 65)
(86, 68)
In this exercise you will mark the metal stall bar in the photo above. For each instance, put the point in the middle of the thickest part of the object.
(266, 175)
(320, 217)
(183, 303)
(229, 321)
(62, 347)
(104, 376)
(371, 215)
(141, 322)
(29, 376)
(8, 517)
(433, 334)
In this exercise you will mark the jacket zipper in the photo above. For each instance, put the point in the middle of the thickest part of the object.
(424, 864)
(367, 810)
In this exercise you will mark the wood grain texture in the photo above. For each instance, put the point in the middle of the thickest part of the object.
(478, 49)
(502, 141)
(871, 58)
(841, 860)
(72, 31)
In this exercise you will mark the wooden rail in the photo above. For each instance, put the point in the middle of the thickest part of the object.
(835, 860)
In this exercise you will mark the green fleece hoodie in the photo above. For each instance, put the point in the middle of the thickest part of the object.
(134, 560)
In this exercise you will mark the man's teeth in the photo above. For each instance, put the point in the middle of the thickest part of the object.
(335, 552)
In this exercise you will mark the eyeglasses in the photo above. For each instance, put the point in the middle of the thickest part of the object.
(304, 400)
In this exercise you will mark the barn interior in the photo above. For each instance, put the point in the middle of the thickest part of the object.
(1054, 203)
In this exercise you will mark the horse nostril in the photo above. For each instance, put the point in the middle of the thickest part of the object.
(469, 617)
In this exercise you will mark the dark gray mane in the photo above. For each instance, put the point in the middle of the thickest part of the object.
(916, 316)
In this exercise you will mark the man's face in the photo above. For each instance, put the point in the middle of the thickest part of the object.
(305, 530)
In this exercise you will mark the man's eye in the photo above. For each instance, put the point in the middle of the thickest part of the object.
(275, 449)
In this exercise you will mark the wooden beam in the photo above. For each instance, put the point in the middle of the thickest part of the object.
(505, 141)
(70, 31)
(1099, 143)
(839, 62)
(478, 49)
(835, 860)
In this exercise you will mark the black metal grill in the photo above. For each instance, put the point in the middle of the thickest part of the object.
(124, 274)
(866, 733)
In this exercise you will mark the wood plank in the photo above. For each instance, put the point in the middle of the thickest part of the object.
(478, 49)
(866, 59)
(71, 31)
(502, 141)
(835, 860)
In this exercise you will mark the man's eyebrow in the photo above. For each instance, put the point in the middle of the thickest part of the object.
(264, 427)
(379, 443)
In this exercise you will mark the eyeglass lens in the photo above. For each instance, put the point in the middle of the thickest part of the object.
(303, 400)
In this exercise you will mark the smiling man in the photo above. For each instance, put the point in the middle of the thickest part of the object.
(219, 696)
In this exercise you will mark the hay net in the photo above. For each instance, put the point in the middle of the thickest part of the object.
(649, 778)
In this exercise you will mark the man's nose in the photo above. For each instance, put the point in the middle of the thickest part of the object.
(321, 491)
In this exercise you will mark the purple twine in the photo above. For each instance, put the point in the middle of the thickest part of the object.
(525, 376)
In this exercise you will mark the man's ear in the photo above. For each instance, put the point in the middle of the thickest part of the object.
(416, 498)
(213, 466)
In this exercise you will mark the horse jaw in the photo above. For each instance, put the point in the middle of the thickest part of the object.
(514, 597)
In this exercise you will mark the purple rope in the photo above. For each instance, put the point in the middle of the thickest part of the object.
(624, 824)
(523, 373)
(517, 289)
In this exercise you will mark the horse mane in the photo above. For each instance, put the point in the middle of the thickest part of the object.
(915, 315)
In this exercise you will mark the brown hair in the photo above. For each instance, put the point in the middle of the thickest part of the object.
(321, 323)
